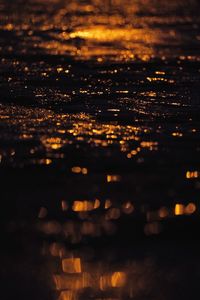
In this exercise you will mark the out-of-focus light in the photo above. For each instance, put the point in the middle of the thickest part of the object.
(114, 280)
(66, 295)
(127, 207)
(190, 208)
(71, 265)
(113, 214)
(163, 212)
(96, 203)
(152, 228)
(78, 170)
(85, 205)
(108, 203)
(64, 205)
(42, 213)
(177, 134)
(56, 249)
(192, 174)
(179, 209)
(51, 227)
(113, 178)
(118, 279)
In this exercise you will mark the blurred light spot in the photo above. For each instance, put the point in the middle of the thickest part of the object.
(85, 205)
(163, 212)
(56, 249)
(113, 214)
(42, 213)
(177, 134)
(190, 208)
(96, 203)
(127, 208)
(71, 265)
(66, 295)
(78, 170)
(88, 228)
(192, 174)
(152, 228)
(64, 205)
(113, 178)
(52, 143)
(51, 227)
(74, 282)
(108, 203)
(118, 279)
(179, 209)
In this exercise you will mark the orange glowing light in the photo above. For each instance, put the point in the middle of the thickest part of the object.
(190, 208)
(85, 205)
(71, 265)
(108, 203)
(118, 279)
(113, 214)
(113, 178)
(66, 295)
(128, 207)
(163, 212)
(179, 209)
(192, 174)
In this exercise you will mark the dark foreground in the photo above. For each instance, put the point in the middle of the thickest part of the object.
(99, 149)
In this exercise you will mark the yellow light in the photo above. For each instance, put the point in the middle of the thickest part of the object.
(47, 161)
(192, 174)
(113, 178)
(85, 205)
(146, 144)
(118, 279)
(179, 209)
(177, 134)
(76, 170)
(84, 171)
(160, 72)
